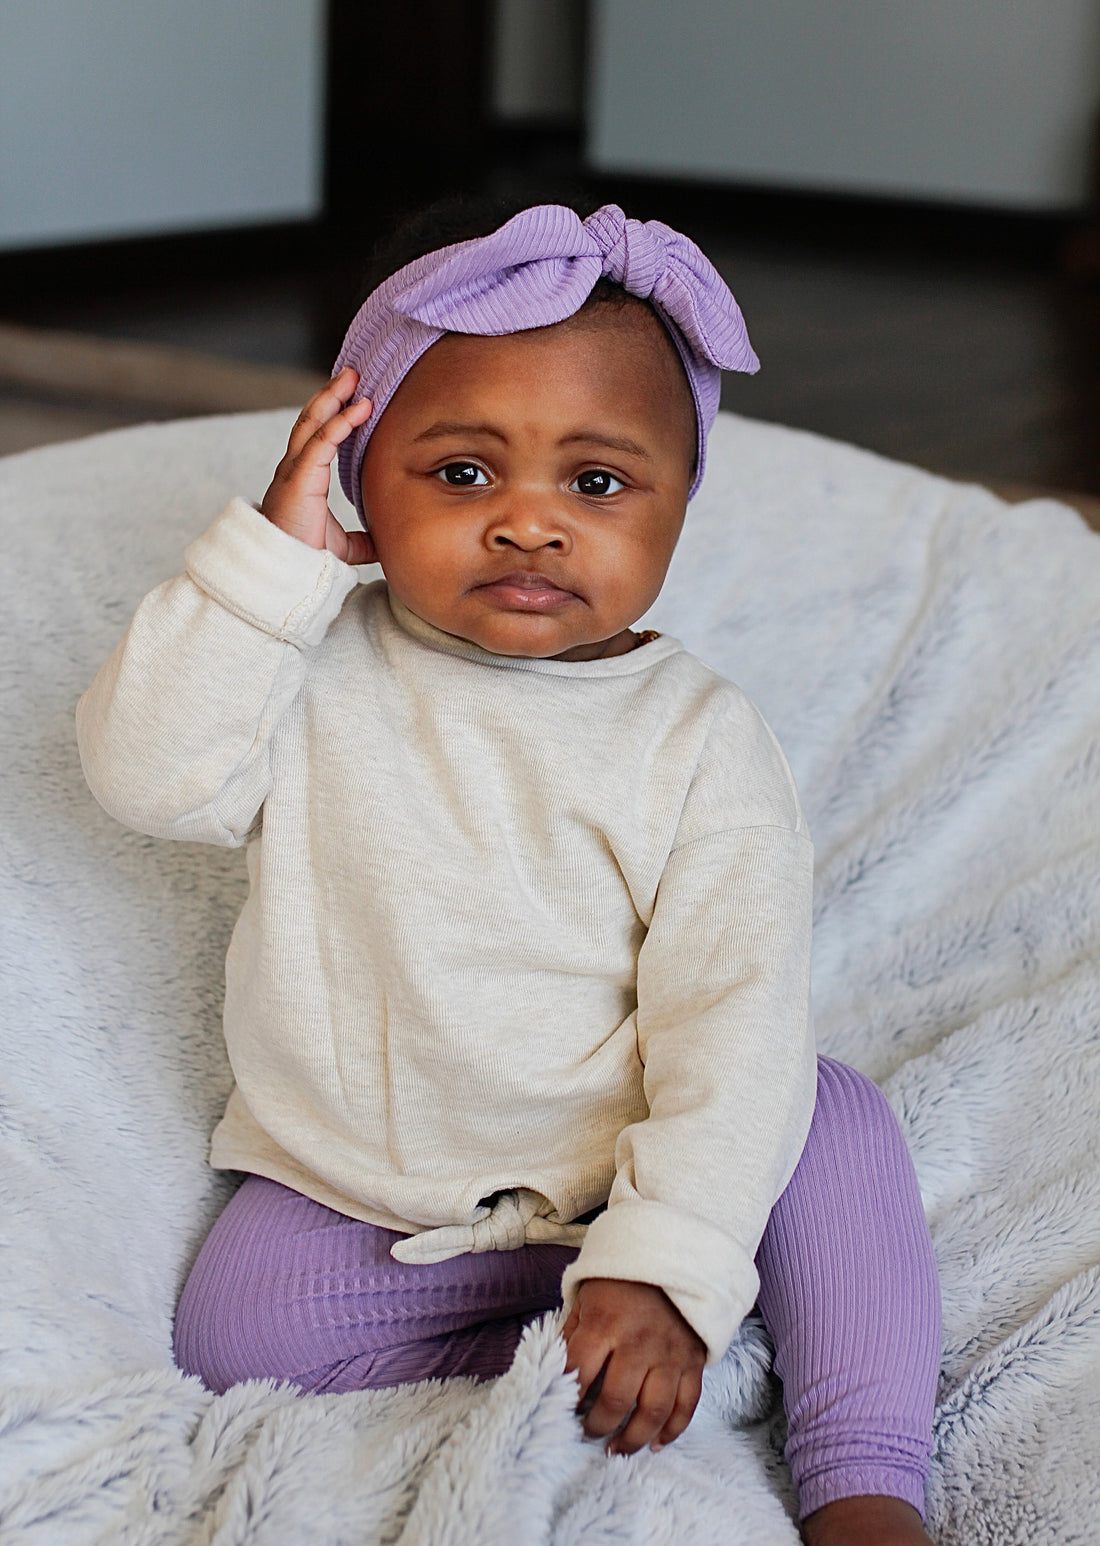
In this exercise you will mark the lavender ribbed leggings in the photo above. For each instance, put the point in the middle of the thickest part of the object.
(285, 1288)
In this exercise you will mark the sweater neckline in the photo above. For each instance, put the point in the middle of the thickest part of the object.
(639, 659)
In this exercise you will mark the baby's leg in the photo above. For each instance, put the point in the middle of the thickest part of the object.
(850, 1295)
(284, 1288)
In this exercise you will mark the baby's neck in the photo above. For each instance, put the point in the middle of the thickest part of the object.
(620, 644)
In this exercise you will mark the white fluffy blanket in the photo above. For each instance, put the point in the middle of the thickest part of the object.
(930, 658)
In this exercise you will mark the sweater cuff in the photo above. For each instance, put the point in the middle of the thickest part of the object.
(267, 577)
(710, 1279)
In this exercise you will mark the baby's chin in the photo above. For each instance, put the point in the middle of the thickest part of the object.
(525, 637)
(529, 637)
(567, 649)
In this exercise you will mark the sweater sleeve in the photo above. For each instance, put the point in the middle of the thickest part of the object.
(725, 1034)
(175, 730)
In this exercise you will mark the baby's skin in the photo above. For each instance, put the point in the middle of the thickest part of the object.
(526, 492)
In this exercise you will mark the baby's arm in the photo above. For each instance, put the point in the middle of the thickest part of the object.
(725, 1035)
(175, 730)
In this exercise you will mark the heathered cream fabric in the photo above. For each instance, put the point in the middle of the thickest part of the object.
(513, 924)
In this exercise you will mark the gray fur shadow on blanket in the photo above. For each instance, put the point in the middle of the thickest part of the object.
(929, 659)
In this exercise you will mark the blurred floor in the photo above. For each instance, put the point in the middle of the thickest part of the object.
(974, 374)
(974, 369)
(61, 384)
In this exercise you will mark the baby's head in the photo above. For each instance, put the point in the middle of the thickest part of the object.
(542, 392)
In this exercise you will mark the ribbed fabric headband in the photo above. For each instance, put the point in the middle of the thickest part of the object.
(536, 269)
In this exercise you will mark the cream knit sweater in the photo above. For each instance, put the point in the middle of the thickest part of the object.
(513, 925)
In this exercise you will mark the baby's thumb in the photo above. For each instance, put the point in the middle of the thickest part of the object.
(361, 549)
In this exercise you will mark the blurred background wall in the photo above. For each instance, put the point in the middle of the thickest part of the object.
(992, 102)
(901, 195)
(130, 117)
(537, 75)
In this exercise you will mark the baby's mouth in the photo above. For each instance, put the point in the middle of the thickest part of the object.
(527, 590)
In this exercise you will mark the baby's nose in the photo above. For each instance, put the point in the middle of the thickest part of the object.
(530, 523)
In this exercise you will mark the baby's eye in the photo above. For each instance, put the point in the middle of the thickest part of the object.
(597, 481)
(462, 475)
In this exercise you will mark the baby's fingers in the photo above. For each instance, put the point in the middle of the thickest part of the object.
(297, 497)
(322, 406)
(314, 457)
(651, 1414)
(683, 1409)
(622, 1382)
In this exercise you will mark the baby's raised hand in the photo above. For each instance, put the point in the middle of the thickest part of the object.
(297, 500)
(632, 1349)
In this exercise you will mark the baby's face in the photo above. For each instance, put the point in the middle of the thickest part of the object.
(526, 492)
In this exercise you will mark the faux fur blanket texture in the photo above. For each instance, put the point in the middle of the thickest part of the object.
(930, 659)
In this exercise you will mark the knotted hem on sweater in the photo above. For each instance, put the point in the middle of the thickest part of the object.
(513, 1220)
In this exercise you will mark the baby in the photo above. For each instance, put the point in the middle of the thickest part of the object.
(518, 1004)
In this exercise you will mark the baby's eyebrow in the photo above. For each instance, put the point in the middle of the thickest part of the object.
(612, 442)
(443, 428)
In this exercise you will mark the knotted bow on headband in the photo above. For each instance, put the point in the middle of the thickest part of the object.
(537, 269)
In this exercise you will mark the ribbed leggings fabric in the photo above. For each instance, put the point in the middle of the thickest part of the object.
(285, 1288)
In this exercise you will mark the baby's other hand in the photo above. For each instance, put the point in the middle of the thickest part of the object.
(632, 1349)
(297, 501)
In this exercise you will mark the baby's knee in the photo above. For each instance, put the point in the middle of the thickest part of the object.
(852, 1114)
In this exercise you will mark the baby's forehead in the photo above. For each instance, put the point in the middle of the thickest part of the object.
(608, 372)
(634, 330)
(628, 321)
(628, 336)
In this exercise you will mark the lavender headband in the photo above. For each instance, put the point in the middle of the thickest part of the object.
(537, 269)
